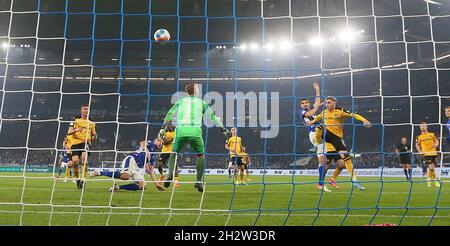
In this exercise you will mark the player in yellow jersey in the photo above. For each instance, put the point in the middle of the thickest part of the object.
(329, 148)
(234, 146)
(333, 118)
(82, 132)
(426, 145)
(167, 135)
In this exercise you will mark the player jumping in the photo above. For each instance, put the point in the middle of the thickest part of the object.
(308, 114)
(189, 130)
(334, 134)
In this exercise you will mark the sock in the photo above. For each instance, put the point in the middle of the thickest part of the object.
(67, 173)
(410, 173)
(406, 172)
(349, 166)
(321, 174)
(59, 171)
(428, 174)
(200, 164)
(171, 163)
(177, 179)
(160, 170)
(336, 173)
(242, 175)
(246, 173)
(85, 170)
(75, 172)
(432, 174)
(115, 174)
(132, 186)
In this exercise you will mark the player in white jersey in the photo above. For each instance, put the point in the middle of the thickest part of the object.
(308, 114)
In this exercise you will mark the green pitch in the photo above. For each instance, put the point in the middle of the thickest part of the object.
(252, 204)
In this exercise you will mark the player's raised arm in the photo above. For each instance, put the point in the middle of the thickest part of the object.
(170, 113)
(168, 119)
(317, 104)
(212, 115)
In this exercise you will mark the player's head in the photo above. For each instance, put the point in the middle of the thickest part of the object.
(404, 140)
(64, 141)
(447, 111)
(423, 126)
(243, 149)
(305, 103)
(330, 102)
(233, 131)
(84, 110)
(192, 89)
(158, 142)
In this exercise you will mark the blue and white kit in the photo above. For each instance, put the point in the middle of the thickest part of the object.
(312, 131)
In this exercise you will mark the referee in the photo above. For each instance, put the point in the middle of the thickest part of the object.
(404, 150)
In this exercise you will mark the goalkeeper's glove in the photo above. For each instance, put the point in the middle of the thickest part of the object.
(161, 133)
(225, 132)
(163, 130)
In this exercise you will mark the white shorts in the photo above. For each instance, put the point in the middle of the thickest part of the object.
(64, 164)
(312, 139)
(132, 169)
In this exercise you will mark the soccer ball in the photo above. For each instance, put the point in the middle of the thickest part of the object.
(161, 35)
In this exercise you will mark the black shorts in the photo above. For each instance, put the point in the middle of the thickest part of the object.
(163, 158)
(237, 160)
(333, 155)
(337, 142)
(430, 159)
(405, 160)
(78, 149)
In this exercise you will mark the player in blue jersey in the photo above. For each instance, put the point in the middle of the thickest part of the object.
(132, 165)
(308, 114)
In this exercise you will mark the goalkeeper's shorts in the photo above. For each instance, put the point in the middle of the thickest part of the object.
(196, 143)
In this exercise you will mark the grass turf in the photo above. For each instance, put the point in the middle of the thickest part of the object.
(275, 201)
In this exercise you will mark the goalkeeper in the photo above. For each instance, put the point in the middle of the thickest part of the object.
(189, 130)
